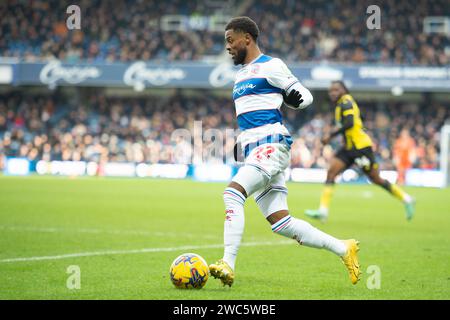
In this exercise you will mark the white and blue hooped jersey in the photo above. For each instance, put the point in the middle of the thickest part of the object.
(258, 99)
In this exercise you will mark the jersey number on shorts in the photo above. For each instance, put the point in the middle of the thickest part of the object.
(264, 151)
(363, 162)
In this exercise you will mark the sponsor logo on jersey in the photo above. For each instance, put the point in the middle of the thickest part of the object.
(242, 88)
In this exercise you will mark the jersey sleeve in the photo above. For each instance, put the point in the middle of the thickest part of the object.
(348, 112)
(347, 108)
(280, 76)
(343, 117)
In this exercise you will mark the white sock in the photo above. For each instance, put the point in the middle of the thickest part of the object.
(323, 211)
(234, 224)
(407, 198)
(307, 235)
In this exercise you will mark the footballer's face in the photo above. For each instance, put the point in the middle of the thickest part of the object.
(335, 92)
(236, 45)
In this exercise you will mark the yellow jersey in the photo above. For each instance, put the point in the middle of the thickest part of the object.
(355, 137)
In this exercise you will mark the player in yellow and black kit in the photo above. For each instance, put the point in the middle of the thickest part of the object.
(357, 150)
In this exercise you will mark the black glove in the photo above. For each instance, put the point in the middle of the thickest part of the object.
(294, 98)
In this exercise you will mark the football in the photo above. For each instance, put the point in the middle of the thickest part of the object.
(189, 271)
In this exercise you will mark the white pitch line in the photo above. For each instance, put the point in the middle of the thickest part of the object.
(104, 231)
(135, 251)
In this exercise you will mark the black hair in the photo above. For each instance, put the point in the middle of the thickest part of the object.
(342, 84)
(244, 24)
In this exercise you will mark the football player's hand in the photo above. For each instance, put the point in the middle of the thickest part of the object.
(294, 98)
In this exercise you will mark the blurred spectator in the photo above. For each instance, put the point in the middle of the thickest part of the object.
(404, 154)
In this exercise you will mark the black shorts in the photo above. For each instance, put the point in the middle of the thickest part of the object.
(364, 158)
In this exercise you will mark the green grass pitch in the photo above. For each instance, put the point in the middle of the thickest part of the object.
(124, 233)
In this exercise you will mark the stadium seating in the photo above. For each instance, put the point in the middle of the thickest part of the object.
(137, 129)
(308, 30)
(140, 130)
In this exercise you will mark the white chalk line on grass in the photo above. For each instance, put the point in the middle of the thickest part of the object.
(105, 231)
(136, 251)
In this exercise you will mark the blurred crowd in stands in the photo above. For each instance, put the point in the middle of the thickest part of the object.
(298, 31)
(129, 129)
(143, 130)
(405, 135)
(337, 31)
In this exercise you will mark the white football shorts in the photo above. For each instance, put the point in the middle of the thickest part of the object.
(263, 176)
